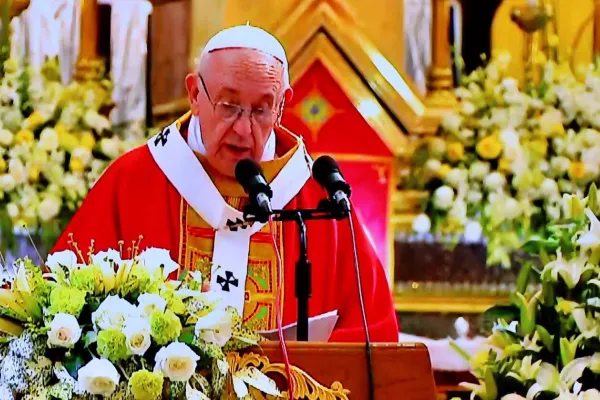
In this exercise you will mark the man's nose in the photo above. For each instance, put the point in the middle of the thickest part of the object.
(243, 124)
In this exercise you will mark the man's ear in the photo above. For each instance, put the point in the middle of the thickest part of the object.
(289, 93)
(191, 85)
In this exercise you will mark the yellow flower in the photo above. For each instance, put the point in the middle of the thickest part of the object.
(489, 147)
(2, 165)
(444, 170)
(24, 136)
(456, 151)
(576, 170)
(504, 165)
(60, 128)
(539, 145)
(76, 164)
(87, 140)
(34, 120)
(34, 174)
(540, 58)
(553, 40)
(558, 129)
(67, 141)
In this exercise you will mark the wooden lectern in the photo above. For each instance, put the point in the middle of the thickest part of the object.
(339, 370)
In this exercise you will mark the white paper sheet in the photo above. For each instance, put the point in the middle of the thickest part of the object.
(319, 328)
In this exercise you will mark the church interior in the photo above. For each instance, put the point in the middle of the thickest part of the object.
(469, 132)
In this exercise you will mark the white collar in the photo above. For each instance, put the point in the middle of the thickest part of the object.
(196, 143)
(231, 247)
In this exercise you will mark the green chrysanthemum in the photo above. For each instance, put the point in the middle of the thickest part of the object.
(67, 300)
(146, 385)
(86, 279)
(174, 303)
(165, 327)
(112, 344)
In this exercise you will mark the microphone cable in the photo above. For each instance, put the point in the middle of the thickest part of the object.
(363, 313)
(279, 311)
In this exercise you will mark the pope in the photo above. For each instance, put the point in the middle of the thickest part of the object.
(178, 192)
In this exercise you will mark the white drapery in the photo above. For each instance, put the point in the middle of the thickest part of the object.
(129, 50)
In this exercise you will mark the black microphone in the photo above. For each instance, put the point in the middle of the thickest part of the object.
(327, 173)
(250, 176)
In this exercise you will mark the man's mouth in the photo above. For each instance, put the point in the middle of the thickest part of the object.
(238, 151)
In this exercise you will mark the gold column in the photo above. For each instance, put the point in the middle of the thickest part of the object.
(89, 65)
(439, 79)
(596, 23)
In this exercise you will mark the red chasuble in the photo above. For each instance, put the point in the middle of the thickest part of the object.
(134, 197)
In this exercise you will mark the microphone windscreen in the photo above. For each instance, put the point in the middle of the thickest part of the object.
(323, 167)
(245, 170)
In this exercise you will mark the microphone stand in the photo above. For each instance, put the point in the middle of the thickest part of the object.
(303, 290)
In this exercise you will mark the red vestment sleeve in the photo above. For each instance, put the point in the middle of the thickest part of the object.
(97, 217)
(378, 301)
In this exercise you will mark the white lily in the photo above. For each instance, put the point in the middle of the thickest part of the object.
(547, 379)
(570, 271)
(588, 327)
(153, 258)
(525, 370)
(215, 327)
(64, 258)
(253, 377)
(591, 238)
(194, 394)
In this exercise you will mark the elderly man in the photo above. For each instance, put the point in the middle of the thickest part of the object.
(179, 192)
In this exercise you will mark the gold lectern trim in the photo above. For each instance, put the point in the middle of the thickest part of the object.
(304, 385)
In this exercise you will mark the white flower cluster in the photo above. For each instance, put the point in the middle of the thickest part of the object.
(53, 147)
(505, 157)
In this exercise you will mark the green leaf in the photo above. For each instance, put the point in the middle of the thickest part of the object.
(506, 312)
(546, 338)
(549, 298)
(89, 338)
(524, 276)
(74, 363)
(187, 335)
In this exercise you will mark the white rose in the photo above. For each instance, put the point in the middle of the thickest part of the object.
(559, 145)
(479, 170)
(510, 85)
(148, 303)
(96, 121)
(421, 224)
(549, 188)
(113, 312)
(553, 212)
(7, 183)
(549, 120)
(64, 331)
(49, 208)
(13, 210)
(176, 361)
(17, 170)
(437, 147)
(215, 327)
(473, 231)
(6, 137)
(512, 209)
(474, 196)
(98, 377)
(457, 177)
(466, 134)
(544, 166)
(590, 137)
(443, 197)
(560, 165)
(153, 258)
(432, 165)
(494, 181)
(451, 122)
(110, 147)
(467, 108)
(458, 211)
(83, 154)
(137, 333)
(48, 139)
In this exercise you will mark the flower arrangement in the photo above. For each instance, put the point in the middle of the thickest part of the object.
(505, 157)
(119, 329)
(54, 144)
(546, 344)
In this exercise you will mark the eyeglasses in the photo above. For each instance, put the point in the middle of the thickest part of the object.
(231, 112)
